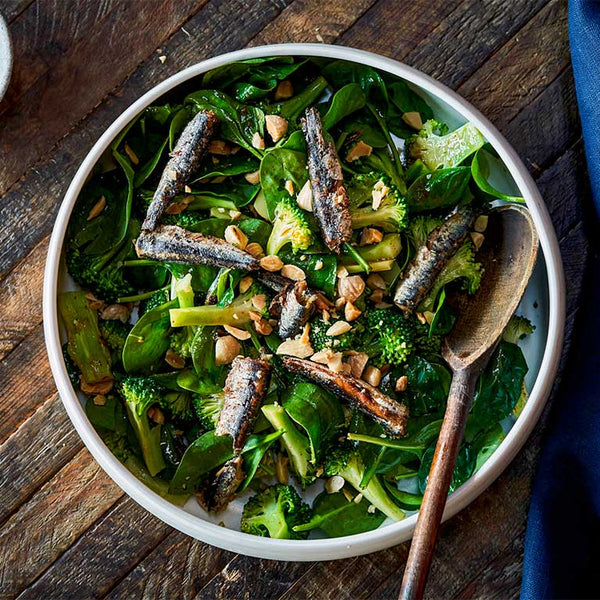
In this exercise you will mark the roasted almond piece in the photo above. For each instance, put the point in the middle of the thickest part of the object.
(334, 484)
(259, 301)
(263, 327)
(305, 198)
(258, 142)
(276, 126)
(284, 90)
(115, 312)
(380, 191)
(401, 383)
(376, 282)
(351, 287)
(289, 187)
(253, 177)
(245, 283)
(101, 387)
(238, 334)
(271, 263)
(481, 223)
(351, 313)
(97, 208)
(338, 328)
(358, 361)
(221, 147)
(236, 237)
(413, 119)
(255, 249)
(295, 348)
(477, 239)
(359, 150)
(293, 272)
(226, 349)
(372, 375)
(370, 235)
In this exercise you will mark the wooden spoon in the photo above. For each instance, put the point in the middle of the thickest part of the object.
(508, 256)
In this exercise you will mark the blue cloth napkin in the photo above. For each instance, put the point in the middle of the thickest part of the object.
(562, 544)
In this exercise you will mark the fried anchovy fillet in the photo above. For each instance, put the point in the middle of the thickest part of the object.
(432, 257)
(220, 491)
(187, 154)
(391, 415)
(245, 388)
(170, 243)
(331, 205)
(273, 281)
(293, 307)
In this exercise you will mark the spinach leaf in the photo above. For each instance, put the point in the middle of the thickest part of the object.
(407, 100)
(111, 415)
(148, 341)
(149, 167)
(465, 465)
(428, 386)
(291, 109)
(278, 166)
(337, 517)
(484, 162)
(236, 193)
(238, 122)
(234, 164)
(499, 386)
(227, 74)
(264, 79)
(486, 443)
(345, 101)
(316, 411)
(323, 279)
(157, 485)
(253, 458)
(369, 133)
(438, 189)
(340, 72)
(207, 453)
(405, 500)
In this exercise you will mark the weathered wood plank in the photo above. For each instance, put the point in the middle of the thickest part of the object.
(12, 8)
(39, 114)
(21, 299)
(523, 67)
(468, 36)
(52, 520)
(26, 381)
(111, 547)
(177, 568)
(394, 28)
(312, 21)
(28, 209)
(41, 446)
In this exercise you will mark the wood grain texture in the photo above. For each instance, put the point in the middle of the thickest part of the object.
(509, 58)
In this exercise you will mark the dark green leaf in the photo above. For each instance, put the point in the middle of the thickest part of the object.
(483, 165)
(465, 464)
(323, 279)
(344, 102)
(439, 189)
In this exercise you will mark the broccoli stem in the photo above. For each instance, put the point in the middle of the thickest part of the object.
(374, 492)
(388, 249)
(357, 257)
(143, 296)
(148, 437)
(377, 266)
(293, 441)
(85, 345)
(140, 262)
(211, 315)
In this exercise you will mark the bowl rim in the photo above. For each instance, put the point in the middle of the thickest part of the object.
(6, 56)
(330, 548)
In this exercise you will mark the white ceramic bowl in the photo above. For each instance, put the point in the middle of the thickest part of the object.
(544, 303)
(5, 57)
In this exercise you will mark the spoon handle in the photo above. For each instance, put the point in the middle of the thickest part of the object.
(438, 483)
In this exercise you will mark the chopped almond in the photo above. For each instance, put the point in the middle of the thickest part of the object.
(413, 119)
(258, 142)
(370, 235)
(481, 223)
(255, 249)
(338, 328)
(289, 187)
(318, 265)
(284, 90)
(253, 178)
(293, 272)
(238, 334)
(305, 197)
(116, 312)
(380, 191)
(477, 239)
(271, 263)
(226, 349)
(101, 387)
(295, 348)
(334, 484)
(358, 361)
(156, 415)
(221, 147)
(245, 283)
(351, 287)
(359, 150)
(401, 383)
(376, 296)
(131, 154)
(276, 126)
(376, 282)
(99, 400)
(372, 375)
(236, 237)
(263, 327)
(255, 316)
(97, 208)
(351, 313)
(259, 301)
(305, 337)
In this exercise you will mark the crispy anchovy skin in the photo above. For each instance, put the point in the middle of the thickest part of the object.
(189, 150)
(218, 493)
(245, 388)
(430, 259)
(293, 307)
(391, 415)
(331, 205)
(273, 281)
(170, 243)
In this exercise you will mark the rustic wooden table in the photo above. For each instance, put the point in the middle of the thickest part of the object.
(67, 531)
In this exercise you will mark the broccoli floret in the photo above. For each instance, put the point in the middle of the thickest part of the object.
(319, 340)
(181, 343)
(114, 334)
(274, 512)
(420, 227)
(117, 443)
(517, 329)
(140, 393)
(443, 151)
(392, 213)
(181, 340)
(178, 405)
(208, 408)
(290, 226)
(395, 336)
(236, 314)
(159, 298)
(462, 266)
(102, 273)
(360, 187)
(296, 444)
(347, 463)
